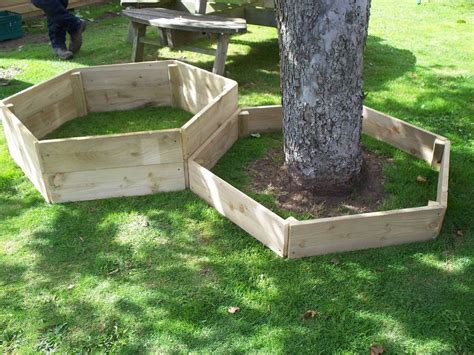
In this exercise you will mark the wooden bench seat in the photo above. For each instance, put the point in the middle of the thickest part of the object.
(166, 19)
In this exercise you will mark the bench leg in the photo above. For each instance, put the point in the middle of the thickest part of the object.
(138, 48)
(221, 53)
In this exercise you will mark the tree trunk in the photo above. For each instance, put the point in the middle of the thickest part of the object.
(321, 55)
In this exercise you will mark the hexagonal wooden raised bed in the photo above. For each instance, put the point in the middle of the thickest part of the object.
(93, 167)
(295, 238)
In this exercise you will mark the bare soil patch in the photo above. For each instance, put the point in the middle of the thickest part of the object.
(270, 175)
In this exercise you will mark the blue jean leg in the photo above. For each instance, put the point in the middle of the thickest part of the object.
(60, 20)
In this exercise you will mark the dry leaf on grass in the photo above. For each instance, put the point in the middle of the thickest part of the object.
(376, 350)
(71, 286)
(335, 261)
(233, 309)
(310, 314)
(459, 233)
(421, 179)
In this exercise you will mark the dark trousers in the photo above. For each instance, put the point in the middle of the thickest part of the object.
(60, 20)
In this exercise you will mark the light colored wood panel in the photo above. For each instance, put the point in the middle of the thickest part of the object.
(407, 137)
(218, 144)
(201, 126)
(111, 151)
(199, 87)
(117, 182)
(23, 148)
(40, 98)
(78, 94)
(261, 119)
(248, 214)
(51, 117)
(27, 9)
(161, 64)
(363, 231)
(438, 149)
(443, 177)
(176, 91)
(119, 89)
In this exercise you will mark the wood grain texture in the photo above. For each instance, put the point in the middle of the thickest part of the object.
(126, 88)
(205, 123)
(111, 151)
(218, 144)
(22, 145)
(262, 119)
(179, 20)
(116, 182)
(248, 214)
(45, 106)
(363, 231)
(78, 93)
(443, 177)
(402, 135)
(197, 87)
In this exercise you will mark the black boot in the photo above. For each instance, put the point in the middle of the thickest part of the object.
(76, 38)
(63, 53)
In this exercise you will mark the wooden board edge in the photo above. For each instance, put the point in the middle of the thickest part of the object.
(218, 136)
(437, 210)
(196, 168)
(443, 176)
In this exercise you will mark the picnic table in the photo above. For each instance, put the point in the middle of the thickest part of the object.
(165, 19)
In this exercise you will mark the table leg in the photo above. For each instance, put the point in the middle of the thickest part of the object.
(221, 53)
(138, 48)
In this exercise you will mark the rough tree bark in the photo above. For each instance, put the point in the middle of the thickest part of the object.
(321, 58)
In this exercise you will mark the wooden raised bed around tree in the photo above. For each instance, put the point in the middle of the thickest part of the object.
(140, 163)
(87, 168)
(293, 238)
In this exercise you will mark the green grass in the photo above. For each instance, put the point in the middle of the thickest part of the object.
(144, 119)
(157, 273)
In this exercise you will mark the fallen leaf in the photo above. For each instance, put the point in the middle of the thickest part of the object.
(421, 179)
(376, 350)
(310, 314)
(71, 286)
(81, 239)
(459, 233)
(233, 310)
(335, 261)
(255, 135)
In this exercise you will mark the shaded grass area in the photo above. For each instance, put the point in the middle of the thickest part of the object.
(157, 273)
(144, 119)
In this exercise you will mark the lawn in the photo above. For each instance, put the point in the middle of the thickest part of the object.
(158, 273)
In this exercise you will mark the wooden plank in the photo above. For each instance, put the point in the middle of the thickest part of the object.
(402, 135)
(248, 214)
(363, 231)
(111, 151)
(221, 54)
(443, 177)
(138, 46)
(180, 20)
(116, 182)
(198, 87)
(175, 79)
(125, 67)
(438, 149)
(262, 119)
(27, 9)
(218, 144)
(201, 126)
(78, 94)
(42, 100)
(51, 117)
(22, 145)
(126, 88)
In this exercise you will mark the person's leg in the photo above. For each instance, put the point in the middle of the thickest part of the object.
(57, 11)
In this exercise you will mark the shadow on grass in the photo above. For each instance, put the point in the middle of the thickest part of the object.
(157, 273)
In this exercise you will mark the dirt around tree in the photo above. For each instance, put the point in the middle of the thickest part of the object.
(270, 175)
